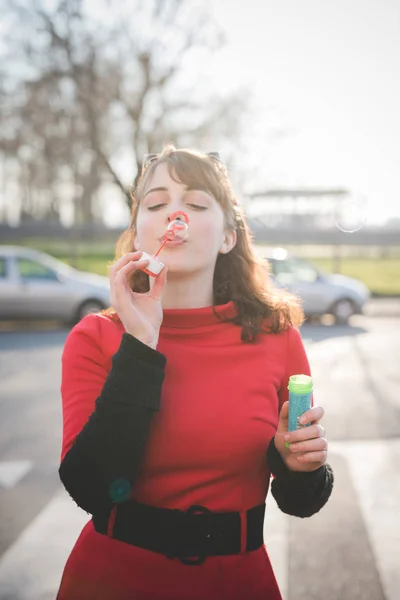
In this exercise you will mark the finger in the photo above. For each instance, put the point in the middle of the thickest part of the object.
(284, 420)
(124, 260)
(120, 279)
(314, 415)
(159, 284)
(306, 433)
(310, 445)
(314, 457)
(284, 414)
(123, 272)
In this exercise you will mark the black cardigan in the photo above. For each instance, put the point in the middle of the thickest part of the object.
(103, 462)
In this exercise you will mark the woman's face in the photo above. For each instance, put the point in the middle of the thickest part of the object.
(207, 236)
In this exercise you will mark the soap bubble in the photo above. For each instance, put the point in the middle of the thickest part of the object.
(350, 215)
(177, 230)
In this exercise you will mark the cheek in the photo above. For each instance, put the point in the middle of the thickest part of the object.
(144, 227)
(209, 231)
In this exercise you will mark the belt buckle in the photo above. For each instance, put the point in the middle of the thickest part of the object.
(199, 560)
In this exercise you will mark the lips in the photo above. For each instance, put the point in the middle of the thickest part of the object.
(171, 239)
(172, 243)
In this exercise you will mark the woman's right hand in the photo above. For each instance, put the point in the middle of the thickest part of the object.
(141, 314)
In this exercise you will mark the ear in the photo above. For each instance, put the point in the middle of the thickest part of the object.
(229, 241)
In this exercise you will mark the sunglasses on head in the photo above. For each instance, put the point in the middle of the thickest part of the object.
(149, 158)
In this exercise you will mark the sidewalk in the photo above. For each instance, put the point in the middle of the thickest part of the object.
(383, 307)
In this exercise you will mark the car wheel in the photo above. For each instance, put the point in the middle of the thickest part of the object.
(88, 307)
(342, 311)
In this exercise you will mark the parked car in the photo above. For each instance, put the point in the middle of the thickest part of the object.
(321, 293)
(34, 285)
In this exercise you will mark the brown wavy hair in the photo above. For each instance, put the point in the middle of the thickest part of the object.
(239, 276)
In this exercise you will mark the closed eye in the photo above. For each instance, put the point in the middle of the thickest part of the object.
(198, 206)
(155, 206)
(194, 206)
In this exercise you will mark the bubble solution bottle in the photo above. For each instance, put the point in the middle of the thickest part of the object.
(177, 231)
(300, 391)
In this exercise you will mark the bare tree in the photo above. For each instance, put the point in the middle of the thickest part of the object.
(87, 94)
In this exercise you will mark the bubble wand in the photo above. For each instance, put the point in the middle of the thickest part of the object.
(177, 230)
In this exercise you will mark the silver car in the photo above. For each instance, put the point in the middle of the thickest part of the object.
(34, 285)
(321, 293)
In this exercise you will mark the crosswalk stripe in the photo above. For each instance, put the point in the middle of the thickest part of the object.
(31, 568)
(12, 471)
(374, 469)
(276, 537)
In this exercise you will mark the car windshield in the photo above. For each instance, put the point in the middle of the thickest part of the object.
(29, 269)
(52, 263)
(293, 269)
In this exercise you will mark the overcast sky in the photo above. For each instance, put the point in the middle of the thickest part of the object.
(329, 72)
(326, 73)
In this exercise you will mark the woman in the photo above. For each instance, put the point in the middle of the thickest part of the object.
(175, 406)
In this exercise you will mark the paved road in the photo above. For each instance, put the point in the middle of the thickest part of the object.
(349, 551)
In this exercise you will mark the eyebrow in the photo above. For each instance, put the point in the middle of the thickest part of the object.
(156, 189)
(188, 188)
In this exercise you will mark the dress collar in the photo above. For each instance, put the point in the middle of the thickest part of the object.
(188, 318)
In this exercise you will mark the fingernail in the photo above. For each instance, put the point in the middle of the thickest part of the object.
(287, 445)
(286, 437)
(302, 420)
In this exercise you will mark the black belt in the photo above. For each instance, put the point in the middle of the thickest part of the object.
(196, 532)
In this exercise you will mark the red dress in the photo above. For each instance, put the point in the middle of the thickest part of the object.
(207, 445)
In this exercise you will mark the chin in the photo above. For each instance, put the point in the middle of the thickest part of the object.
(176, 267)
(178, 262)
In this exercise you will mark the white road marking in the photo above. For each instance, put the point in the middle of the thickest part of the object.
(276, 530)
(12, 471)
(32, 567)
(376, 478)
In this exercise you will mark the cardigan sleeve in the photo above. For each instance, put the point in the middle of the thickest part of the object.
(106, 415)
(299, 494)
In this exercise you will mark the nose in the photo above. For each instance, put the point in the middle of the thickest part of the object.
(175, 217)
(178, 216)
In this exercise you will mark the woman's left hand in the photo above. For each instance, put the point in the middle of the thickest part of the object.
(308, 447)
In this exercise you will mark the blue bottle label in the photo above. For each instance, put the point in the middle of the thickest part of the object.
(298, 405)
